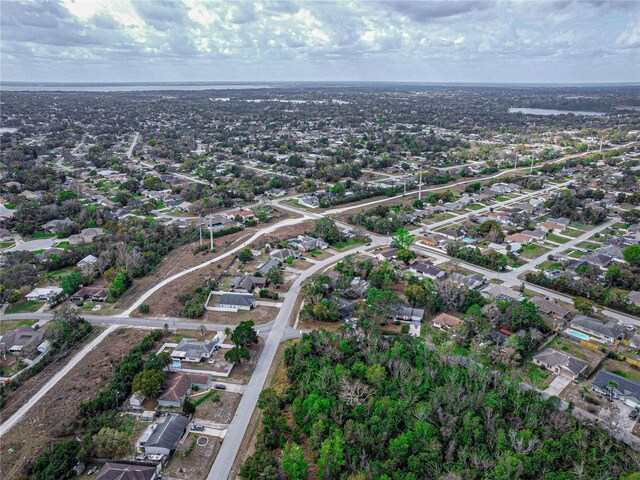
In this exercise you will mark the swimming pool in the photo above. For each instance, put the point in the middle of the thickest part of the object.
(579, 335)
(468, 240)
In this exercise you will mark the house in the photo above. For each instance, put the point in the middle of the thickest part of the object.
(284, 254)
(87, 261)
(551, 226)
(561, 363)
(247, 283)
(85, 236)
(276, 192)
(473, 281)
(560, 221)
(434, 239)
(137, 399)
(5, 235)
(537, 235)
(427, 270)
(192, 350)
(597, 259)
(243, 214)
(606, 332)
(265, 267)
(551, 309)
(305, 243)
(634, 342)
(625, 390)
(94, 293)
(387, 254)
(500, 292)
(43, 293)
(444, 321)
(454, 233)
(184, 207)
(236, 301)
(408, 313)
(166, 435)
(612, 251)
(634, 297)
(346, 308)
(218, 222)
(127, 471)
(59, 225)
(520, 238)
(311, 201)
(23, 340)
(178, 387)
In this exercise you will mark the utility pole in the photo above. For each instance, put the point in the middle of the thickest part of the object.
(201, 233)
(420, 186)
(531, 170)
(210, 232)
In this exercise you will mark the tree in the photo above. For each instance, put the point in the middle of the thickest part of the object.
(632, 254)
(71, 283)
(418, 204)
(331, 459)
(188, 407)
(583, 305)
(402, 239)
(237, 354)
(416, 295)
(275, 275)
(245, 255)
(244, 334)
(119, 285)
(111, 443)
(406, 255)
(149, 382)
(325, 228)
(293, 462)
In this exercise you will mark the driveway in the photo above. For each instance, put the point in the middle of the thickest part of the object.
(34, 245)
(557, 386)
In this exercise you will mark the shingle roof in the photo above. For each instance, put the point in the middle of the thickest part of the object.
(555, 358)
(607, 329)
(168, 433)
(238, 299)
(123, 471)
(626, 387)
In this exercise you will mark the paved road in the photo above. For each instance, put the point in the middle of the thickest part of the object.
(253, 238)
(133, 145)
(35, 245)
(226, 456)
(13, 419)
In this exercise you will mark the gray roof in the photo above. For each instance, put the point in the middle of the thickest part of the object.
(554, 358)
(195, 348)
(597, 259)
(268, 265)
(626, 387)
(612, 330)
(547, 306)
(168, 433)
(239, 299)
(125, 471)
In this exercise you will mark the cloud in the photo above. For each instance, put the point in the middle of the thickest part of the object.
(498, 40)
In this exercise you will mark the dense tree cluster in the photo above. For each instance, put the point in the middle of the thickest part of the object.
(389, 408)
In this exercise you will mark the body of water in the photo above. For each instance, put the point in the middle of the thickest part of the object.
(545, 111)
(133, 87)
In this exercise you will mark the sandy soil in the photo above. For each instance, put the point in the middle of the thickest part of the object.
(54, 417)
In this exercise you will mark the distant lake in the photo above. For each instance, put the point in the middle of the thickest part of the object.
(544, 111)
(134, 87)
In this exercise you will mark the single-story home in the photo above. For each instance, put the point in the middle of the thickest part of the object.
(166, 435)
(23, 340)
(387, 254)
(427, 270)
(247, 283)
(236, 301)
(87, 261)
(192, 350)
(444, 321)
(305, 243)
(561, 363)
(265, 267)
(625, 390)
(605, 332)
(128, 471)
(95, 293)
(520, 238)
(550, 308)
(634, 297)
(408, 313)
(43, 293)
(179, 385)
(500, 292)
(473, 281)
(284, 254)
(58, 225)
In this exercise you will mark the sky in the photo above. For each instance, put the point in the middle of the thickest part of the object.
(498, 41)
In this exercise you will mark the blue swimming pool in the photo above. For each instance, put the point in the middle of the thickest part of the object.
(579, 335)
(468, 240)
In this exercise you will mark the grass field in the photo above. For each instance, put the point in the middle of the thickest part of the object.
(475, 206)
(42, 235)
(556, 238)
(27, 306)
(533, 251)
(12, 325)
(64, 244)
(588, 245)
(346, 244)
(573, 233)
(537, 376)
(6, 244)
(501, 198)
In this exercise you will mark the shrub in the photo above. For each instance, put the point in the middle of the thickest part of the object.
(144, 308)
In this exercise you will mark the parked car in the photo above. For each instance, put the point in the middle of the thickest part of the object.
(92, 470)
(197, 428)
(219, 386)
(633, 414)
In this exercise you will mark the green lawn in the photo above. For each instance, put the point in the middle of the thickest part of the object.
(346, 244)
(475, 206)
(9, 206)
(537, 376)
(629, 375)
(314, 253)
(501, 198)
(42, 235)
(578, 225)
(57, 275)
(573, 233)
(7, 244)
(24, 307)
(577, 254)
(556, 238)
(64, 244)
(588, 245)
(533, 251)
(549, 265)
